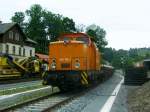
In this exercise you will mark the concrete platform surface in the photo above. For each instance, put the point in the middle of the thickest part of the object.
(108, 98)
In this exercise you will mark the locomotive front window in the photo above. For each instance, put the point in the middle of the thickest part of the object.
(83, 39)
(66, 38)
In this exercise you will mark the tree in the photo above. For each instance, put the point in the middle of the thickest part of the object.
(19, 18)
(98, 35)
(57, 24)
(80, 28)
(133, 53)
(53, 23)
(108, 54)
(68, 25)
(44, 26)
(36, 28)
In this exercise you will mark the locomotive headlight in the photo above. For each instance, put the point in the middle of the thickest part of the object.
(77, 64)
(53, 64)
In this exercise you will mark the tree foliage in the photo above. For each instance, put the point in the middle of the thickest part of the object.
(125, 58)
(35, 27)
(80, 28)
(19, 18)
(43, 26)
(108, 54)
(98, 35)
(53, 24)
(68, 25)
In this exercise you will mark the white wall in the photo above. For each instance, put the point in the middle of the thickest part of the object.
(27, 49)
(2, 48)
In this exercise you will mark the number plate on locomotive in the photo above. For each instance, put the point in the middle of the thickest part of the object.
(65, 65)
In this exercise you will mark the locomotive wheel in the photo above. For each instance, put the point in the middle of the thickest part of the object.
(63, 88)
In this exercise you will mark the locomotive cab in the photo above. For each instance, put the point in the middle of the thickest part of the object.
(69, 38)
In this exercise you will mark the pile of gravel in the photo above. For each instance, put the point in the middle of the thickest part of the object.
(139, 99)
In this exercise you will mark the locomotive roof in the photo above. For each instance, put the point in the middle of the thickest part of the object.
(74, 35)
(79, 42)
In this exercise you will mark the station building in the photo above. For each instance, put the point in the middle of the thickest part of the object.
(14, 42)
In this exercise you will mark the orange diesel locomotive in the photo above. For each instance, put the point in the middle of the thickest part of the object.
(74, 60)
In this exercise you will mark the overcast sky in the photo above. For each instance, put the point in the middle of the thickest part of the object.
(127, 22)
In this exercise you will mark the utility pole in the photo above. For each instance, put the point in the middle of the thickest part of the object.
(122, 64)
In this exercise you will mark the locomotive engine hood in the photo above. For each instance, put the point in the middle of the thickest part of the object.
(70, 55)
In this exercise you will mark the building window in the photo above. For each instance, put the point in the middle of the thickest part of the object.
(24, 51)
(30, 52)
(10, 35)
(7, 49)
(17, 36)
(14, 49)
(20, 51)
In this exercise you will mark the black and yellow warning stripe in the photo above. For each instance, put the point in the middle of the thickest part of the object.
(84, 77)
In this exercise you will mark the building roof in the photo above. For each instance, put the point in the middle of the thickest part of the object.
(147, 60)
(30, 40)
(4, 27)
(42, 56)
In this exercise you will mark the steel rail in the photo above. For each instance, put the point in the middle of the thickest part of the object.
(20, 105)
(18, 80)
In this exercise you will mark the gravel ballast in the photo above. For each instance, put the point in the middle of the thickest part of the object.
(139, 99)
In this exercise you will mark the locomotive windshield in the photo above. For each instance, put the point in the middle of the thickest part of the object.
(66, 39)
(82, 39)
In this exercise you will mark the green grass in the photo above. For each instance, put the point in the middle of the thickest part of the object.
(19, 89)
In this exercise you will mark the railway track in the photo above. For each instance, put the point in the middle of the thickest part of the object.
(47, 103)
(42, 104)
(11, 81)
